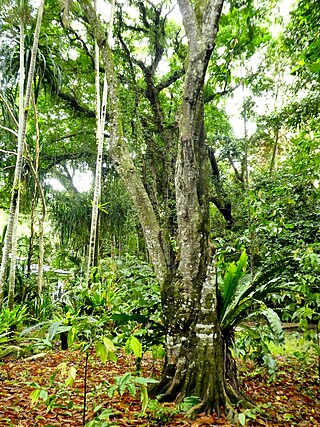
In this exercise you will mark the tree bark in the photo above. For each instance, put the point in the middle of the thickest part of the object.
(23, 116)
(13, 260)
(195, 361)
(7, 247)
(121, 156)
(97, 182)
(195, 353)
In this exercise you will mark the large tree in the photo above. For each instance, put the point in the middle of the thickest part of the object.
(196, 360)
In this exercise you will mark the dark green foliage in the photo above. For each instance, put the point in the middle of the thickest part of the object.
(302, 39)
(123, 299)
(11, 323)
(242, 299)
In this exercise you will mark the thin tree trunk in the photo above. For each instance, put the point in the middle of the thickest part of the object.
(100, 117)
(39, 187)
(246, 189)
(34, 198)
(121, 156)
(31, 240)
(13, 260)
(23, 116)
(41, 244)
(7, 248)
(274, 151)
(97, 186)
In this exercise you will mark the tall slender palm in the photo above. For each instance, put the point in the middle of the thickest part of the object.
(12, 275)
(101, 117)
(23, 116)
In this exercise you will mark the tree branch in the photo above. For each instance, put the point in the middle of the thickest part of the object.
(73, 103)
(9, 130)
(190, 22)
(121, 155)
(211, 16)
(77, 37)
(209, 98)
(170, 79)
(58, 159)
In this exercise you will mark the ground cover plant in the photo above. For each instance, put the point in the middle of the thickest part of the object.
(290, 398)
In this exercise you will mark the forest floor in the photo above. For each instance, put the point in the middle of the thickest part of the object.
(290, 399)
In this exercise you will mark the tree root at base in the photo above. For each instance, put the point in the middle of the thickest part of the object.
(209, 407)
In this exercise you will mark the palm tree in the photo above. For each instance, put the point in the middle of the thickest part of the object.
(24, 102)
(101, 117)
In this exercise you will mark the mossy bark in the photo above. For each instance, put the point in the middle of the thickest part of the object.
(196, 361)
(195, 350)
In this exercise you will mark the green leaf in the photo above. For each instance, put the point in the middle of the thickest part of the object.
(133, 344)
(63, 368)
(303, 324)
(275, 323)
(102, 352)
(112, 356)
(72, 335)
(144, 397)
(231, 280)
(288, 417)
(145, 381)
(53, 330)
(251, 332)
(270, 363)
(122, 388)
(244, 284)
(124, 379)
(112, 390)
(71, 376)
(288, 225)
(242, 418)
(109, 344)
(34, 396)
(132, 389)
(43, 395)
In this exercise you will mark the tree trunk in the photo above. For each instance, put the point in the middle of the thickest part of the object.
(41, 250)
(195, 359)
(13, 260)
(195, 363)
(195, 352)
(7, 247)
(121, 156)
(37, 186)
(23, 116)
(100, 117)
(97, 181)
(32, 234)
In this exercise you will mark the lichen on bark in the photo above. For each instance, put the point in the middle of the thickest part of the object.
(195, 362)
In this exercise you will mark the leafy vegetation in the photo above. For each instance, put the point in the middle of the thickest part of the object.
(204, 247)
